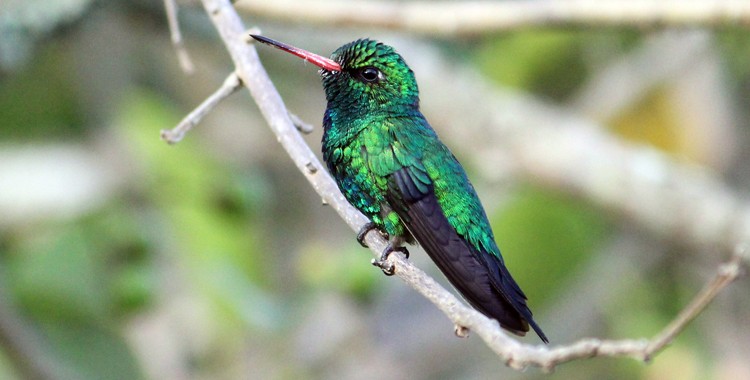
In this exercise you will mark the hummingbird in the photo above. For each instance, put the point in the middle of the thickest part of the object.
(390, 164)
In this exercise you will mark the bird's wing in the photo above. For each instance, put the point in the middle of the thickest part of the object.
(479, 276)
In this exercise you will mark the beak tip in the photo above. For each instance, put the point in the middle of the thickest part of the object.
(317, 60)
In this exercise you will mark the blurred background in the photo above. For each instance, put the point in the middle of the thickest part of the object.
(122, 257)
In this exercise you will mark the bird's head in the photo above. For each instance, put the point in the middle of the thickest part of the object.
(362, 76)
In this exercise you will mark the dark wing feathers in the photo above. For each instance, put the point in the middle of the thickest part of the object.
(511, 292)
(479, 276)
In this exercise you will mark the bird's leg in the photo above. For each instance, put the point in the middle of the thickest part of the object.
(394, 245)
(365, 230)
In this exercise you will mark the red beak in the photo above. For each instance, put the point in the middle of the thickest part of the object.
(317, 60)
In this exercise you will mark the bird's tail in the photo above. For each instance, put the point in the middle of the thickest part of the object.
(480, 277)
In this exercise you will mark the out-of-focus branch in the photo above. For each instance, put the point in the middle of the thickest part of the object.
(229, 87)
(478, 17)
(514, 353)
(659, 59)
(170, 7)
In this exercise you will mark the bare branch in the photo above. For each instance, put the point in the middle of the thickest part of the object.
(301, 125)
(460, 18)
(174, 28)
(229, 87)
(515, 354)
(726, 274)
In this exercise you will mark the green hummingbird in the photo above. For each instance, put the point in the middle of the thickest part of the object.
(390, 164)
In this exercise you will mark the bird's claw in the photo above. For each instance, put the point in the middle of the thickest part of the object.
(365, 230)
(388, 268)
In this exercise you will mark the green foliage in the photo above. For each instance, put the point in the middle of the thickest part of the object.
(71, 279)
(38, 101)
(94, 352)
(79, 278)
(204, 208)
(95, 268)
(736, 49)
(551, 63)
(60, 277)
(538, 226)
(345, 271)
(547, 63)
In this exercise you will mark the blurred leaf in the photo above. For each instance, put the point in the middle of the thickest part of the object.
(59, 277)
(134, 287)
(678, 362)
(636, 312)
(322, 267)
(547, 62)
(83, 270)
(654, 121)
(544, 237)
(37, 102)
(205, 209)
(95, 352)
(63, 279)
(736, 48)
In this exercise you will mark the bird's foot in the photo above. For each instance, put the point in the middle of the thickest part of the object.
(365, 230)
(388, 268)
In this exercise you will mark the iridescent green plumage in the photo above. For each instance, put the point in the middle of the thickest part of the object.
(390, 164)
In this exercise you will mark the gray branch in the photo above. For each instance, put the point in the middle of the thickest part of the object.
(454, 18)
(170, 7)
(229, 87)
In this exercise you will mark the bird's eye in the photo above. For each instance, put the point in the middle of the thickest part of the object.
(370, 74)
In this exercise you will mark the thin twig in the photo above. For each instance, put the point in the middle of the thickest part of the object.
(461, 18)
(726, 274)
(514, 353)
(301, 125)
(174, 28)
(229, 87)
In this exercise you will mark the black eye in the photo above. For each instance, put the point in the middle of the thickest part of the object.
(370, 74)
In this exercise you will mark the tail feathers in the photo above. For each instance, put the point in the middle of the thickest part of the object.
(512, 293)
(480, 277)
